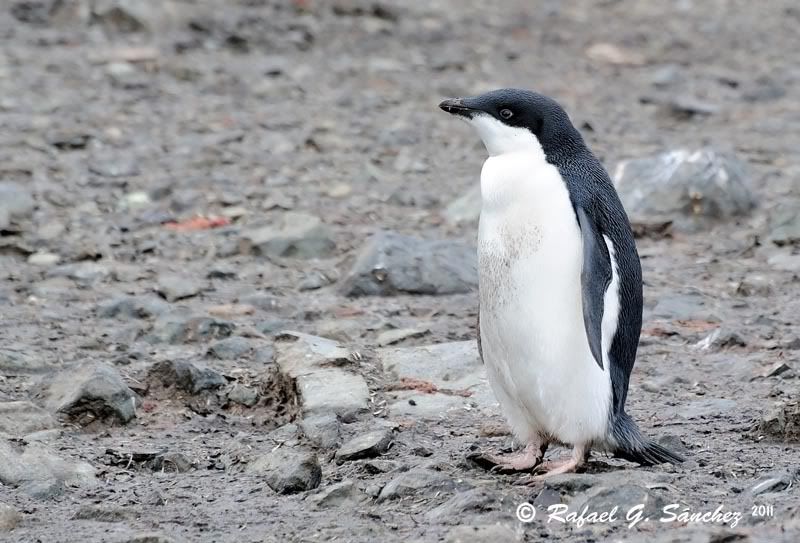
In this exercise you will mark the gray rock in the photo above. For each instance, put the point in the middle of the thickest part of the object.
(472, 502)
(624, 497)
(127, 16)
(181, 326)
(784, 224)
(781, 421)
(294, 235)
(44, 260)
(243, 395)
(343, 494)
(322, 429)
(16, 202)
(133, 307)
(84, 273)
(392, 263)
(776, 482)
(89, 392)
(466, 208)
(333, 391)
(689, 188)
(366, 445)
(40, 471)
(488, 533)
(185, 376)
(324, 387)
(288, 471)
(417, 480)
(231, 348)
(114, 166)
(785, 262)
(20, 418)
(454, 370)
(177, 287)
(720, 339)
(19, 360)
(103, 513)
(9, 517)
(687, 306)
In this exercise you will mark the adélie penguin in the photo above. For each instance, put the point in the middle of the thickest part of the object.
(560, 285)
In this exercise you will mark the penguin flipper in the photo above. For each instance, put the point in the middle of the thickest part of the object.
(595, 277)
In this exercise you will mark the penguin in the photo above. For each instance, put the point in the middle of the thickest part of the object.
(560, 286)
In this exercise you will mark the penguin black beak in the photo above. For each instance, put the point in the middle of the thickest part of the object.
(456, 106)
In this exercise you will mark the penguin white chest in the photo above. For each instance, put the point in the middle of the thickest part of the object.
(530, 256)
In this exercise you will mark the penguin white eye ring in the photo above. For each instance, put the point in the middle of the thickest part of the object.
(560, 286)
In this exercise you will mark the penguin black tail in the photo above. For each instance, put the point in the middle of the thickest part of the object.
(632, 445)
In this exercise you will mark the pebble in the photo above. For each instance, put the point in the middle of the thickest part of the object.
(472, 501)
(89, 392)
(342, 494)
(44, 260)
(294, 235)
(114, 166)
(690, 188)
(243, 395)
(367, 445)
(392, 263)
(417, 480)
(322, 429)
(232, 348)
(133, 307)
(288, 471)
(185, 376)
(176, 287)
(182, 326)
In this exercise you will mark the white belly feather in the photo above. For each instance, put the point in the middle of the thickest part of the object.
(532, 330)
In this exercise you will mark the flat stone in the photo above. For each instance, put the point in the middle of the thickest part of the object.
(690, 188)
(367, 445)
(288, 471)
(16, 202)
(471, 502)
(333, 391)
(185, 376)
(23, 417)
(322, 429)
(417, 480)
(432, 379)
(391, 263)
(89, 392)
(324, 388)
(40, 471)
(176, 287)
(342, 494)
(294, 235)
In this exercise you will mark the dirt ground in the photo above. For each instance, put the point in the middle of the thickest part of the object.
(117, 122)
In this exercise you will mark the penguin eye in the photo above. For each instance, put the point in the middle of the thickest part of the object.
(506, 113)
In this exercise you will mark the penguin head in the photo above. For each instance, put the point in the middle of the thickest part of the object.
(512, 120)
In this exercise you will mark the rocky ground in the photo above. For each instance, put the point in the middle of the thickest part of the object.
(238, 278)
